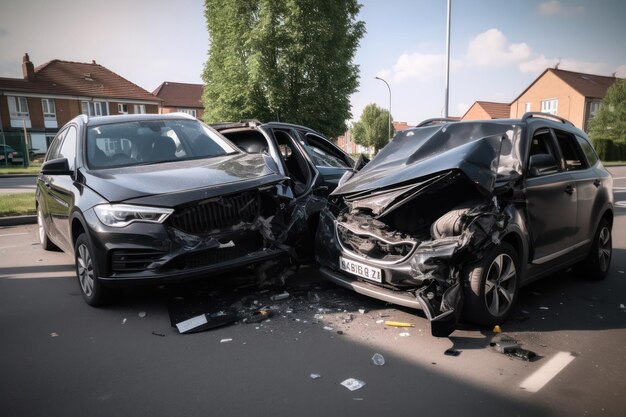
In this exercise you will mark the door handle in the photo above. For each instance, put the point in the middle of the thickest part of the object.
(569, 190)
(597, 183)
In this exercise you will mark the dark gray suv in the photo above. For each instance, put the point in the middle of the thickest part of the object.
(455, 217)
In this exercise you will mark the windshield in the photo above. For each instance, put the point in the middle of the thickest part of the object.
(151, 142)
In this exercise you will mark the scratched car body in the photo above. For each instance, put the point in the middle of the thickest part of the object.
(453, 218)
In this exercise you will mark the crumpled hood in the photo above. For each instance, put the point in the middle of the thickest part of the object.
(212, 176)
(471, 147)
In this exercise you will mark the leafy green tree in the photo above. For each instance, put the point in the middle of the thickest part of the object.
(372, 129)
(287, 60)
(610, 121)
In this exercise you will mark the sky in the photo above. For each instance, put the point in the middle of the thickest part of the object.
(498, 47)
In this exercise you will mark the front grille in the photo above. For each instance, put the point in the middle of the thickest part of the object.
(245, 245)
(217, 214)
(373, 247)
(133, 260)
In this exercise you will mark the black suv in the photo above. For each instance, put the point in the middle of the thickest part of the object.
(455, 217)
(140, 198)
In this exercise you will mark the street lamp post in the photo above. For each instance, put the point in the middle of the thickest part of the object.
(378, 78)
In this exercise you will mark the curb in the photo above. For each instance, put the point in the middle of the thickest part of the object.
(17, 220)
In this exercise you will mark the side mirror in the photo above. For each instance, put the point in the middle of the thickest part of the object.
(542, 164)
(56, 167)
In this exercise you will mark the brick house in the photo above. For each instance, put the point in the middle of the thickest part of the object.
(485, 110)
(572, 95)
(180, 97)
(53, 93)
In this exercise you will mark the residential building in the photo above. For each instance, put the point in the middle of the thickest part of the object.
(572, 95)
(50, 95)
(398, 126)
(180, 97)
(485, 110)
(346, 143)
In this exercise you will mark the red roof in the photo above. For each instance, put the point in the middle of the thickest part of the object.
(495, 110)
(180, 94)
(588, 85)
(77, 79)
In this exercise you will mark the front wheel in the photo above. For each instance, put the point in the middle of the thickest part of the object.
(599, 259)
(492, 286)
(94, 293)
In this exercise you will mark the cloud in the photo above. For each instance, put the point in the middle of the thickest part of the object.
(540, 63)
(554, 7)
(493, 48)
(3, 32)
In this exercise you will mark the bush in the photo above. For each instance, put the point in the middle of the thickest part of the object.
(609, 150)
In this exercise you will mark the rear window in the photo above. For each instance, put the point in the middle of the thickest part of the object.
(590, 154)
(151, 142)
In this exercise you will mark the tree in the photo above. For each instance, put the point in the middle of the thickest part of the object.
(607, 129)
(372, 129)
(282, 60)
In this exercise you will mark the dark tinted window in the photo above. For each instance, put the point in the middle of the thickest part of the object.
(587, 149)
(542, 154)
(572, 155)
(53, 151)
(152, 141)
(68, 148)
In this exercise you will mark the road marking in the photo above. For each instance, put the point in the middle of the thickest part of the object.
(13, 234)
(543, 375)
(619, 178)
(620, 203)
(619, 188)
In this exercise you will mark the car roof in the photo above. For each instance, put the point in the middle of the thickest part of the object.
(102, 120)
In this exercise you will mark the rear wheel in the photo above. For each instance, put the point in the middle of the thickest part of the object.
(599, 259)
(94, 293)
(493, 285)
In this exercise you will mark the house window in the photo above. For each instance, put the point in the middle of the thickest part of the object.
(527, 107)
(549, 106)
(49, 112)
(18, 107)
(594, 106)
(94, 108)
(139, 108)
(122, 108)
(188, 111)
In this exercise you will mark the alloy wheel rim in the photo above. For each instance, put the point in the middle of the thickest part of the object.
(604, 248)
(500, 285)
(84, 267)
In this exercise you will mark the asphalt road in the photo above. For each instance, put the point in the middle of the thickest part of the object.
(10, 185)
(59, 357)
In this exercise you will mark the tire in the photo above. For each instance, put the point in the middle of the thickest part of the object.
(598, 261)
(44, 240)
(492, 286)
(94, 293)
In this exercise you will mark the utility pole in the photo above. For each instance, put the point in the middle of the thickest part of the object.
(447, 93)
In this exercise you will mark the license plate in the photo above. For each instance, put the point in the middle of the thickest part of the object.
(362, 270)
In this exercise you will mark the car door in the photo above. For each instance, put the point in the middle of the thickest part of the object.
(43, 185)
(551, 201)
(331, 162)
(60, 191)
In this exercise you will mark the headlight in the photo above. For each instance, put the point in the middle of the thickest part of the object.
(120, 215)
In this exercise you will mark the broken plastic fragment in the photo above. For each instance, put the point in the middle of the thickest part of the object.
(452, 352)
(622, 306)
(158, 334)
(378, 359)
(54, 334)
(315, 376)
(362, 310)
(192, 323)
(380, 321)
(497, 329)
(226, 340)
(544, 308)
(258, 316)
(142, 314)
(353, 384)
(405, 334)
(398, 324)
(124, 321)
(328, 328)
(279, 297)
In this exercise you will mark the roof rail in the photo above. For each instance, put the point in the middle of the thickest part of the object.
(437, 120)
(231, 125)
(530, 114)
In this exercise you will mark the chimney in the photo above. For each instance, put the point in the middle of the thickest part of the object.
(28, 69)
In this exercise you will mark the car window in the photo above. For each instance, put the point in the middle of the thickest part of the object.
(572, 155)
(53, 151)
(68, 148)
(152, 141)
(588, 150)
(323, 154)
(542, 149)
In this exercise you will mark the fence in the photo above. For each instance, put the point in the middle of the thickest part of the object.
(13, 149)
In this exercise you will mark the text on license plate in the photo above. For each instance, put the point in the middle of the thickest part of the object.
(362, 270)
